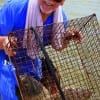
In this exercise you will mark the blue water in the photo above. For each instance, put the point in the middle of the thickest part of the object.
(79, 8)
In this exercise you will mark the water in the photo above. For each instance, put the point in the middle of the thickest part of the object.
(2, 2)
(79, 8)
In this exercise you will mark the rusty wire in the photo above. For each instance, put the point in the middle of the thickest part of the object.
(78, 65)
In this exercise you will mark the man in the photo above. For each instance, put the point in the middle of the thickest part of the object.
(16, 14)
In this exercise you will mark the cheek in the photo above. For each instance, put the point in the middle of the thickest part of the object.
(55, 6)
(40, 2)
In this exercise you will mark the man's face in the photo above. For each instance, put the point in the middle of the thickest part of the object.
(48, 6)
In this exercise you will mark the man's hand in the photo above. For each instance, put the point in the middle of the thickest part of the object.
(60, 41)
(74, 34)
(8, 47)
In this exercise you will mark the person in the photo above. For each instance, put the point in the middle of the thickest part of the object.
(16, 15)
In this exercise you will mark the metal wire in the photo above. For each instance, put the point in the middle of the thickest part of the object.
(78, 65)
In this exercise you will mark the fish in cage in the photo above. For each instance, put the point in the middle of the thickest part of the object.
(46, 72)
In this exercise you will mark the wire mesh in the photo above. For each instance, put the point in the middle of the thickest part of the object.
(77, 67)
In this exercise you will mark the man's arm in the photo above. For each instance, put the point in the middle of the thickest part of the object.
(6, 25)
(5, 45)
(62, 39)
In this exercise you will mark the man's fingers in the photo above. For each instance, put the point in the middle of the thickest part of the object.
(78, 37)
(9, 51)
(9, 46)
(74, 34)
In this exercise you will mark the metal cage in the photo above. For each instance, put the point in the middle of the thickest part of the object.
(76, 69)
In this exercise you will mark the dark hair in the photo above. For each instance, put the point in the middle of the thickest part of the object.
(58, 0)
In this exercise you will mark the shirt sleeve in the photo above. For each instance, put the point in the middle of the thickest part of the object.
(6, 19)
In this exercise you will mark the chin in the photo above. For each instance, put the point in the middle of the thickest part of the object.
(45, 11)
